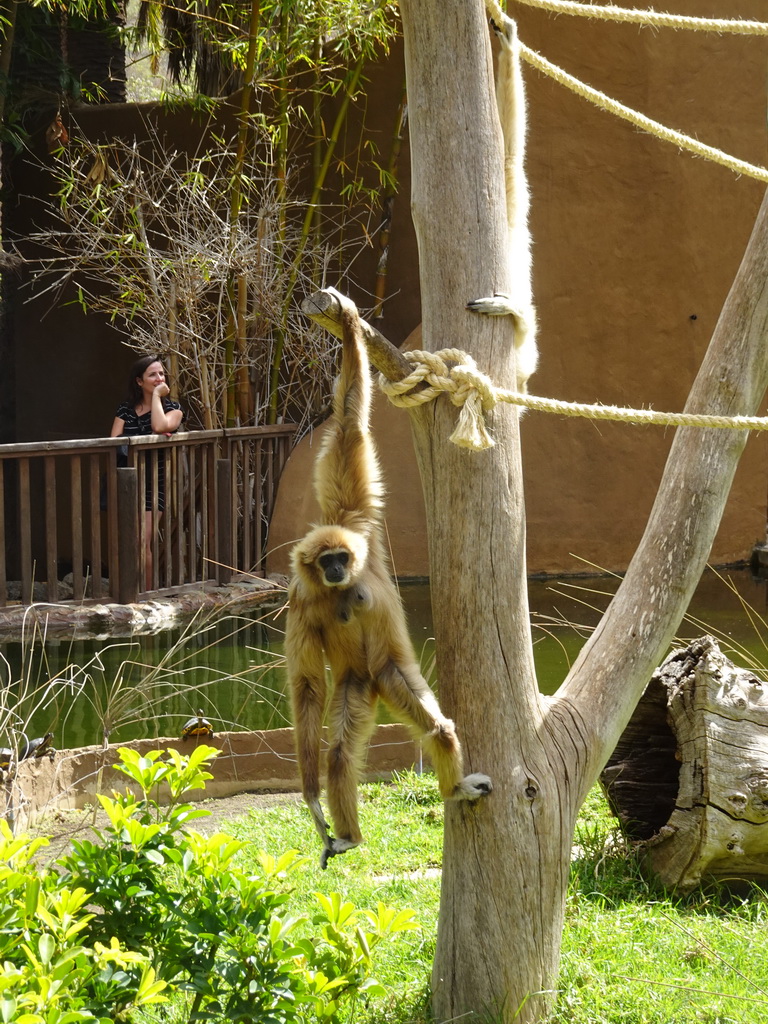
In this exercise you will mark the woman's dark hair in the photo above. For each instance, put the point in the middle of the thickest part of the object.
(139, 368)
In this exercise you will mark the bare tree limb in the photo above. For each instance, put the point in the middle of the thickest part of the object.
(323, 309)
(505, 860)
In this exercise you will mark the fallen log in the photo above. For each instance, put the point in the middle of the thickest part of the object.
(689, 777)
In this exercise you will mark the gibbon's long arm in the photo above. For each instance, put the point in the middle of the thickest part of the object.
(510, 100)
(347, 475)
(513, 115)
(323, 308)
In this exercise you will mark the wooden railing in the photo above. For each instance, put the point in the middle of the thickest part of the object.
(80, 519)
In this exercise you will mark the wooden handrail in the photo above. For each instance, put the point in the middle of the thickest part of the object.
(60, 506)
(98, 443)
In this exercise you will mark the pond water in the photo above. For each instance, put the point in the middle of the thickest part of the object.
(232, 668)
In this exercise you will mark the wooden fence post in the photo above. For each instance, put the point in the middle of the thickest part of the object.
(51, 539)
(129, 554)
(223, 521)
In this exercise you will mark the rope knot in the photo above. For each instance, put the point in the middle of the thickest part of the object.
(476, 394)
(469, 389)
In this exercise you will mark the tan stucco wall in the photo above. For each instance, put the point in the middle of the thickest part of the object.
(632, 240)
(635, 247)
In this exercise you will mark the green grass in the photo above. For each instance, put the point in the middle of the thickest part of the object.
(398, 865)
(631, 953)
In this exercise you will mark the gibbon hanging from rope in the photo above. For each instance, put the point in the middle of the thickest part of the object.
(510, 100)
(344, 609)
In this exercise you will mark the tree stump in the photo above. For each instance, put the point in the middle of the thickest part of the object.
(689, 777)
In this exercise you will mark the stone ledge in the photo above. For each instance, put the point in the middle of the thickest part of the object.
(249, 762)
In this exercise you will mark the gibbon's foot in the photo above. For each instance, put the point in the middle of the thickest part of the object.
(497, 304)
(472, 787)
(336, 847)
(318, 818)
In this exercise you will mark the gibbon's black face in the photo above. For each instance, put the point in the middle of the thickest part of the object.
(334, 566)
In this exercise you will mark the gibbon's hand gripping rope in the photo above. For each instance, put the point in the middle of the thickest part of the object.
(475, 394)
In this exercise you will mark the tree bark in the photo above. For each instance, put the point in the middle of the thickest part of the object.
(506, 858)
(712, 776)
(499, 851)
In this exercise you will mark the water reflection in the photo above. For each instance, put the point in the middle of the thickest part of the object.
(729, 604)
(83, 691)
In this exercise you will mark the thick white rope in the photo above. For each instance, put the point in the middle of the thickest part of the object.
(646, 124)
(641, 121)
(654, 19)
(475, 394)
(473, 391)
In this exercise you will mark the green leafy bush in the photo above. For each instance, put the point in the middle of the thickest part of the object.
(49, 972)
(153, 908)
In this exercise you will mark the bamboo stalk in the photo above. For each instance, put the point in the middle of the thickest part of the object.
(244, 402)
(172, 341)
(8, 12)
(235, 320)
(388, 203)
(352, 82)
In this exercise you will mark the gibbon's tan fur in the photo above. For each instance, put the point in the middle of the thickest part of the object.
(344, 609)
(510, 100)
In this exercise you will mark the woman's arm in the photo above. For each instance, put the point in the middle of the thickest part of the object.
(164, 422)
(117, 427)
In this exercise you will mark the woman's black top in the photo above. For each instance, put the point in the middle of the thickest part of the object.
(138, 426)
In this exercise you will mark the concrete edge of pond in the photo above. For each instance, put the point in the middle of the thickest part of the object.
(98, 620)
(262, 761)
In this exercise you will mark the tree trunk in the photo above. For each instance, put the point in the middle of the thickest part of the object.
(506, 858)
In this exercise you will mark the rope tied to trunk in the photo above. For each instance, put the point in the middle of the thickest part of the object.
(475, 394)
